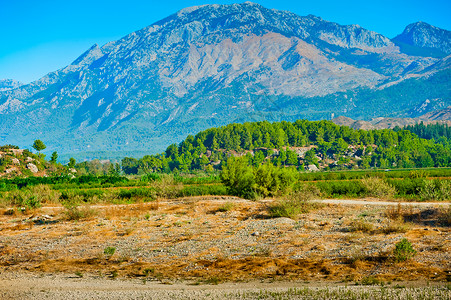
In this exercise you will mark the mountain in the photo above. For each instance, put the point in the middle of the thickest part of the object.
(424, 39)
(9, 84)
(212, 65)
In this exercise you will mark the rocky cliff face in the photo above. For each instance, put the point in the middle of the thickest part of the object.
(207, 66)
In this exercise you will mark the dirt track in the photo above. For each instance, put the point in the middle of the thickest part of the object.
(55, 287)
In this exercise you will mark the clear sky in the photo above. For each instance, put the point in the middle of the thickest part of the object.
(40, 36)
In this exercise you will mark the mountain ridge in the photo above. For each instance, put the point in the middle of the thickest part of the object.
(211, 65)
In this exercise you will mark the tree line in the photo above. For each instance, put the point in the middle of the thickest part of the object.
(279, 143)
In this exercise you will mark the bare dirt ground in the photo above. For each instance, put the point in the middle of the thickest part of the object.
(183, 248)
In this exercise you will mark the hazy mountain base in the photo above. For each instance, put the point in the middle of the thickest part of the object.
(142, 134)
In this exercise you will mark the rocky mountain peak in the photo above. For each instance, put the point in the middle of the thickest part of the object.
(424, 35)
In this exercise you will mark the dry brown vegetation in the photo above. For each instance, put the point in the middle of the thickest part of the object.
(215, 239)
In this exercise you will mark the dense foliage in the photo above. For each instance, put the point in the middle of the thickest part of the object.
(299, 144)
(429, 131)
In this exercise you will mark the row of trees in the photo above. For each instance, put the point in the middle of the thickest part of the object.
(277, 142)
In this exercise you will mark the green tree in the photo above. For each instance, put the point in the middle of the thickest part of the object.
(310, 158)
(54, 157)
(239, 178)
(130, 165)
(71, 163)
(38, 145)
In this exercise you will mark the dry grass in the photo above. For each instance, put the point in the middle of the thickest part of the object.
(196, 239)
(361, 225)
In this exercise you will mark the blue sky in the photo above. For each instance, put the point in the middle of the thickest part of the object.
(42, 36)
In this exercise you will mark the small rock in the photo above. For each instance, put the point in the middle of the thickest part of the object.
(255, 233)
(16, 161)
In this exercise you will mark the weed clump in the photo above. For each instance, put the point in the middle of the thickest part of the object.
(226, 207)
(109, 251)
(403, 251)
(396, 226)
(297, 202)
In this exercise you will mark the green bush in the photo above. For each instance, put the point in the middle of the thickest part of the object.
(239, 178)
(260, 181)
(403, 250)
(150, 177)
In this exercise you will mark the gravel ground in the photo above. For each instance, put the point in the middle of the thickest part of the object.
(197, 241)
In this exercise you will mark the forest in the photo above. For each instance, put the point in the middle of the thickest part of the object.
(301, 144)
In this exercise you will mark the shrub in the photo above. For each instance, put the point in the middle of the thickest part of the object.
(261, 181)
(403, 251)
(239, 178)
(24, 198)
(202, 190)
(141, 193)
(150, 177)
(167, 187)
(415, 174)
(352, 188)
(376, 187)
(306, 192)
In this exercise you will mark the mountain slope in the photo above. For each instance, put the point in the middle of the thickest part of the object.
(210, 65)
(9, 84)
